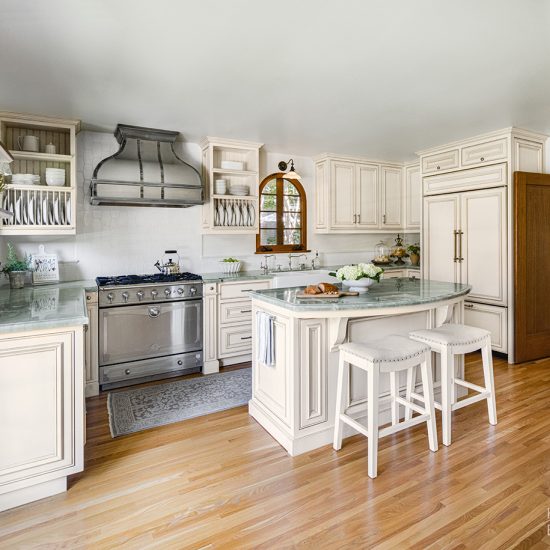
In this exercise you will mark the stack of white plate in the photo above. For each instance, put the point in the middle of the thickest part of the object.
(238, 189)
(25, 179)
(220, 187)
(55, 176)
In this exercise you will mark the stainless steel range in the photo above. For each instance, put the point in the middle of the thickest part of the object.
(150, 327)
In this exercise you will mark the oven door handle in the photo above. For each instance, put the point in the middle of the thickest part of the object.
(154, 312)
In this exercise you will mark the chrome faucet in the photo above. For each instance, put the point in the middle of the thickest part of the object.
(290, 257)
(265, 267)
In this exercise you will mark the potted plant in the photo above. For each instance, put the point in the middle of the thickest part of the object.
(358, 277)
(414, 253)
(16, 269)
(231, 265)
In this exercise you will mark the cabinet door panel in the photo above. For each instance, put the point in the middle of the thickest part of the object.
(367, 196)
(485, 152)
(413, 197)
(528, 155)
(441, 219)
(491, 318)
(484, 244)
(321, 196)
(392, 195)
(342, 193)
(38, 421)
(447, 160)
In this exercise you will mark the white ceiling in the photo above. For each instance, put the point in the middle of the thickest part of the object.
(372, 77)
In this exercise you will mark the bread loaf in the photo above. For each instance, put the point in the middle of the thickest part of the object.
(312, 289)
(328, 288)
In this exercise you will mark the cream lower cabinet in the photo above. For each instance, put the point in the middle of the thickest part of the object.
(91, 350)
(227, 318)
(41, 413)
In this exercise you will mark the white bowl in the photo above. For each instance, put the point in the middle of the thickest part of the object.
(360, 285)
(55, 182)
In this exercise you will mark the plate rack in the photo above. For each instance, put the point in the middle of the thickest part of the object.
(40, 209)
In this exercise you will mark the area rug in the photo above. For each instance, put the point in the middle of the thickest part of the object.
(139, 409)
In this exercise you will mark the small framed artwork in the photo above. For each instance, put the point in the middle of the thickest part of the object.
(45, 268)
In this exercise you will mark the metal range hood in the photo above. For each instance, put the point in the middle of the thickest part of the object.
(146, 171)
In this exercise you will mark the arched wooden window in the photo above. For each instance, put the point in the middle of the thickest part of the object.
(282, 215)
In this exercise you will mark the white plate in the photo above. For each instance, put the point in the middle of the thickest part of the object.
(56, 210)
(31, 209)
(45, 210)
(18, 210)
(68, 209)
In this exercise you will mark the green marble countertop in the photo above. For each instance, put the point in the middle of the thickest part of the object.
(388, 293)
(249, 275)
(44, 307)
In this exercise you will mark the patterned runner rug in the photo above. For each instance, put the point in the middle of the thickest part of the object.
(139, 409)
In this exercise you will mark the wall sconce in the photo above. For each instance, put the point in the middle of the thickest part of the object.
(292, 174)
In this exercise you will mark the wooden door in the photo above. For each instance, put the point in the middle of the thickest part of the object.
(483, 243)
(440, 241)
(531, 266)
(367, 196)
(342, 191)
(392, 198)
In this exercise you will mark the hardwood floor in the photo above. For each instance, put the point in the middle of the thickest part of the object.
(221, 481)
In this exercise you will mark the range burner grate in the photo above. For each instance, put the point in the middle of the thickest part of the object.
(121, 280)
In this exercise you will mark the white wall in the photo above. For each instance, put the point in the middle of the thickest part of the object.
(113, 240)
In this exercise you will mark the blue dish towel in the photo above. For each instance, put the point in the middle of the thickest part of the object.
(266, 335)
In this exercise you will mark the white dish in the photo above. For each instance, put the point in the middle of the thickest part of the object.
(232, 165)
(68, 209)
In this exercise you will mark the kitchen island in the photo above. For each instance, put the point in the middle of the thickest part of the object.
(41, 390)
(294, 399)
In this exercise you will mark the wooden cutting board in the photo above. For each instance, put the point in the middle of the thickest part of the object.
(339, 295)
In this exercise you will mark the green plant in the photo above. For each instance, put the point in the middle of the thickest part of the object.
(413, 249)
(230, 260)
(13, 263)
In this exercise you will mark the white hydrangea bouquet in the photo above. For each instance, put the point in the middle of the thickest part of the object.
(359, 277)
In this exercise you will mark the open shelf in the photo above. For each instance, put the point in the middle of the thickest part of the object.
(234, 172)
(28, 155)
(238, 197)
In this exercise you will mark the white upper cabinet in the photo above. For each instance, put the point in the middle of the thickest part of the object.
(528, 155)
(392, 197)
(439, 162)
(358, 196)
(413, 197)
(342, 194)
(483, 153)
(367, 196)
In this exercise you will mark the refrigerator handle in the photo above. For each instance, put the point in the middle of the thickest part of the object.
(455, 257)
(460, 233)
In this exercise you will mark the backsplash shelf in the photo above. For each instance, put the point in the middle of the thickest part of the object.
(227, 213)
(40, 209)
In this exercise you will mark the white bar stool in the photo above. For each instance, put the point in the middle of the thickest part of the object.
(450, 340)
(389, 355)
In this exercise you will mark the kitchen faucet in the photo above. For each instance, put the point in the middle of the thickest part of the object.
(265, 267)
(290, 257)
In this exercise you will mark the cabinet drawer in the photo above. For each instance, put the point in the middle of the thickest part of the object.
(235, 340)
(235, 311)
(485, 152)
(439, 162)
(491, 318)
(467, 180)
(239, 290)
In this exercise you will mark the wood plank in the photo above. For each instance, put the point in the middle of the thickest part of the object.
(220, 481)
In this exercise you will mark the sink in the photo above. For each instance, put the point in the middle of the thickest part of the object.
(285, 279)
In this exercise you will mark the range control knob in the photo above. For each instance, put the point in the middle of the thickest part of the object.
(167, 292)
(193, 290)
(180, 291)
(139, 294)
(154, 294)
(125, 296)
(110, 297)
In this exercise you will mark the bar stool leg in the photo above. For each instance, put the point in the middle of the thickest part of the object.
(411, 379)
(372, 420)
(488, 375)
(428, 389)
(394, 392)
(341, 387)
(446, 389)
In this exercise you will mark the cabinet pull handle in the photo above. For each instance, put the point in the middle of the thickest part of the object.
(246, 311)
(246, 337)
(455, 234)
(247, 290)
(482, 159)
(460, 233)
(355, 218)
(469, 306)
(358, 218)
(439, 167)
(384, 219)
